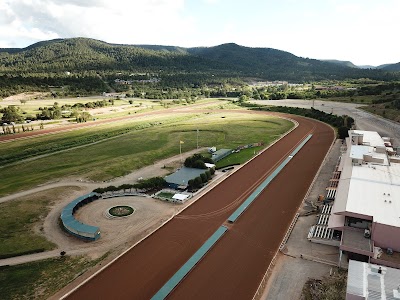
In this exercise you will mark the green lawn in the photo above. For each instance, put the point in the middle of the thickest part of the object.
(165, 195)
(140, 147)
(238, 158)
(21, 221)
(41, 279)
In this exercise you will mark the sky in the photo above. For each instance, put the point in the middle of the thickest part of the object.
(364, 32)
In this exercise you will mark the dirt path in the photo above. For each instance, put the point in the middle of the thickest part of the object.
(117, 234)
(156, 169)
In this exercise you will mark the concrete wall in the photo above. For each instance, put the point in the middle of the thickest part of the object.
(386, 236)
(353, 297)
(385, 263)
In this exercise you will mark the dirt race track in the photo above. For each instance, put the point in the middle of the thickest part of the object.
(234, 267)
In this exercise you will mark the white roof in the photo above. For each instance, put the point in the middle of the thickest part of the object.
(375, 191)
(370, 189)
(371, 138)
(209, 165)
(358, 151)
(364, 280)
(181, 197)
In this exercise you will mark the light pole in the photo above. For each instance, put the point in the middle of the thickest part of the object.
(197, 138)
(180, 149)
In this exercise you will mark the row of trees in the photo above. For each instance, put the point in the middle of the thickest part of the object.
(199, 181)
(197, 161)
(342, 123)
(145, 185)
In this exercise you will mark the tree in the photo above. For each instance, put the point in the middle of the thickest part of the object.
(11, 113)
(243, 98)
(343, 132)
(198, 182)
(203, 177)
(212, 171)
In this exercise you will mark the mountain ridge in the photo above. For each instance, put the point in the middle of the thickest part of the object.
(84, 54)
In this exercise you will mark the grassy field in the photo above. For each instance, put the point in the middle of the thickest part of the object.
(165, 195)
(41, 279)
(140, 147)
(383, 111)
(238, 158)
(354, 99)
(21, 221)
(22, 149)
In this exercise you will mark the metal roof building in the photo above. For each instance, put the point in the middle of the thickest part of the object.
(182, 176)
(367, 203)
(372, 282)
(220, 154)
(73, 226)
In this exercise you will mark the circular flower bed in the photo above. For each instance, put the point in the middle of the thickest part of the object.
(121, 211)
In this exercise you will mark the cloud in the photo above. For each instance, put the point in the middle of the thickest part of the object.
(123, 21)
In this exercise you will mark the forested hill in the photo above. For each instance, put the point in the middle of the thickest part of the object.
(83, 55)
(391, 67)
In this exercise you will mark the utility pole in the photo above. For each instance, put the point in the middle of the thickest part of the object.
(197, 138)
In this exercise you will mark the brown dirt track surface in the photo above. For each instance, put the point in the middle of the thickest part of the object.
(235, 266)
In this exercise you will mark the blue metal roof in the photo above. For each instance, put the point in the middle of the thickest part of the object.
(183, 175)
(69, 220)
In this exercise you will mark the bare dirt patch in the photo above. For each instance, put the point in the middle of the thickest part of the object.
(27, 96)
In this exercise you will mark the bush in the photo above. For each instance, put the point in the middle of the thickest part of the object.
(203, 177)
(197, 161)
(212, 171)
(198, 182)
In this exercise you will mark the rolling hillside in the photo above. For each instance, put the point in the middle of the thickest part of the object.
(80, 55)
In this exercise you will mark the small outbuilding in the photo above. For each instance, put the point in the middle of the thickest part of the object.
(220, 154)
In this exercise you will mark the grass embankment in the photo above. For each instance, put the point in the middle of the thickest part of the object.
(41, 279)
(384, 110)
(21, 222)
(140, 147)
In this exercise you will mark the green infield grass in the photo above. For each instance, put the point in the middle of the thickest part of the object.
(144, 142)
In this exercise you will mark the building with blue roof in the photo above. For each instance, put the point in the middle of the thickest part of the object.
(182, 176)
(73, 226)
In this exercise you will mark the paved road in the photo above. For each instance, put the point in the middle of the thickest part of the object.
(237, 263)
(364, 120)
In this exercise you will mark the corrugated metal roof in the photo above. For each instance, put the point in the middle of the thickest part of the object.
(364, 280)
(71, 223)
(183, 175)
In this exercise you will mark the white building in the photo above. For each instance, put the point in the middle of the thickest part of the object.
(367, 204)
(368, 281)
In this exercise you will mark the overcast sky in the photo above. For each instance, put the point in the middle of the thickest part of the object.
(365, 32)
